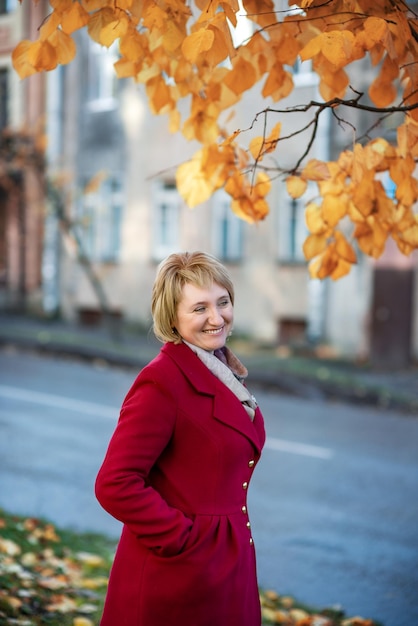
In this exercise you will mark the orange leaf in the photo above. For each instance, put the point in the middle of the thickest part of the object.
(334, 208)
(296, 186)
(314, 219)
(132, 45)
(20, 59)
(74, 18)
(342, 269)
(255, 147)
(344, 249)
(329, 263)
(173, 37)
(42, 55)
(64, 46)
(316, 170)
(106, 25)
(371, 239)
(197, 43)
(94, 183)
(314, 245)
(382, 91)
(192, 183)
(242, 77)
(410, 236)
(279, 83)
(49, 26)
(375, 31)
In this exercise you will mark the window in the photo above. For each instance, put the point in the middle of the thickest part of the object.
(303, 74)
(228, 229)
(102, 80)
(100, 217)
(166, 215)
(4, 98)
(292, 230)
(7, 6)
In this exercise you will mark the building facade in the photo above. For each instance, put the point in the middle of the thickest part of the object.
(22, 193)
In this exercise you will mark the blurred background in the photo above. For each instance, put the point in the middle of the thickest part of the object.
(81, 231)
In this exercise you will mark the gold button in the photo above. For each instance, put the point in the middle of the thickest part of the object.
(245, 485)
(251, 541)
(251, 463)
(244, 509)
(248, 525)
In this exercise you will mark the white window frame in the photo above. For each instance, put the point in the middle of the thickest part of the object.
(102, 80)
(165, 219)
(228, 229)
(100, 221)
(292, 229)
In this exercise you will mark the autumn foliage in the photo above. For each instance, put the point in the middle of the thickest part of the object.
(184, 53)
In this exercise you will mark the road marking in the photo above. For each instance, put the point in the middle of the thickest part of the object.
(293, 447)
(102, 410)
(59, 402)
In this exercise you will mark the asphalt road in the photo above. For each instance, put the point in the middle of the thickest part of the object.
(333, 503)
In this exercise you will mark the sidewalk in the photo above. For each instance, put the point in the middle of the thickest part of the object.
(303, 376)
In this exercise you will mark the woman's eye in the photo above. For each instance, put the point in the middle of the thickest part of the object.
(199, 309)
(224, 303)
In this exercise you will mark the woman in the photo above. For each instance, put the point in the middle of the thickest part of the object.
(178, 465)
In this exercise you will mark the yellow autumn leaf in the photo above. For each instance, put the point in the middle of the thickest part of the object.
(382, 90)
(296, 186)
(256, 148)
(363, 195)
(407, 190)
(410, 236)
(60, 5)
(242, 77)
(64, 46)
(311, 49)
(262, 184)
(173, 37)
(371, 239)
(74, 18)
(20, 59)
(314, 245)
(337, 46)
(279, 83)
(314, 219)
(124, 68)
(9, 547)
(42, 55)
(334, 208)
(376, 30)
(107, 25)
(49, 25)
(82, 621)
(192, 184)
(316, 170)
(94, 583)
(344, 249)
(94, 183)
(342, 268)
(197, 43)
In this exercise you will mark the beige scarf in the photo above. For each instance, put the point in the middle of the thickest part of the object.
(231, 373)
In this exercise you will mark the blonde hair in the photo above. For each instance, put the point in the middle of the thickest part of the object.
(197, 268)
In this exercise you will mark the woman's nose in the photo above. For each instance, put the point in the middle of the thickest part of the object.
(215, 316)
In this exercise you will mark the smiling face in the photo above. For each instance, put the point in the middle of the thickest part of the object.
(204, 316)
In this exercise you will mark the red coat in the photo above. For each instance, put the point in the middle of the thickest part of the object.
(176, 474)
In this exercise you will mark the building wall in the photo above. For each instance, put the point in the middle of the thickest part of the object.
(22, 204)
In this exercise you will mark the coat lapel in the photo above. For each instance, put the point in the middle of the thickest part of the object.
(227, 408)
